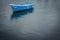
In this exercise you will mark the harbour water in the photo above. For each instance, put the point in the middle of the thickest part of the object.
(41, 23)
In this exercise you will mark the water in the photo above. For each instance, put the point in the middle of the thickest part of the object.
(41, 23)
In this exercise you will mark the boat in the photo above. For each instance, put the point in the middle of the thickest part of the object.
(21, 7)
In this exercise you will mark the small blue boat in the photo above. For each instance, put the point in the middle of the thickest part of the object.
(21, 7)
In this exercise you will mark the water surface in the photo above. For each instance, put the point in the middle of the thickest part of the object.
(42, 23)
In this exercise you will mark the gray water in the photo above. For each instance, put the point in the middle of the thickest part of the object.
(41, 23)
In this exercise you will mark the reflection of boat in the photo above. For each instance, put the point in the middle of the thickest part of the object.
(21, 7)
(16, 15)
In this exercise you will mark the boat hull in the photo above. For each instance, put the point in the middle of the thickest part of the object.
(21, 8)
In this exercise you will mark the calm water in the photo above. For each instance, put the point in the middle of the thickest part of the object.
(41, 23)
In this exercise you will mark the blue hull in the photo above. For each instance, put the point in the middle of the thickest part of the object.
(21, 7)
